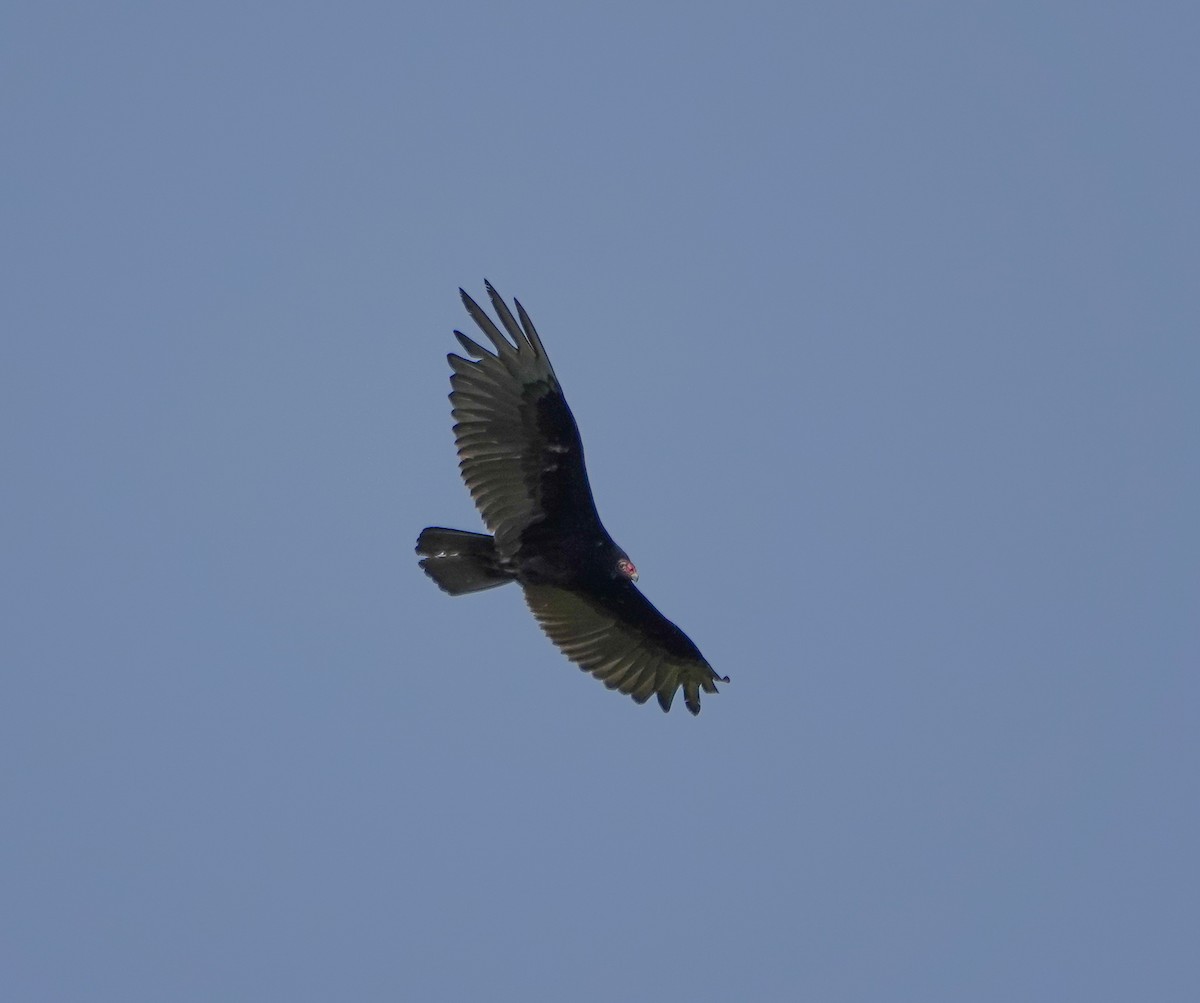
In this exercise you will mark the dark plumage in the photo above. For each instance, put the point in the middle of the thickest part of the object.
(522, 460)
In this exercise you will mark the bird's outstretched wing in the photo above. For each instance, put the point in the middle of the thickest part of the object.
(620, 638)
(518, 444)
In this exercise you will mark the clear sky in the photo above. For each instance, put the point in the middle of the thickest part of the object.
(881, 323)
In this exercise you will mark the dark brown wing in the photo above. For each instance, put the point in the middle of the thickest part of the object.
(622, 640)
(518, 445)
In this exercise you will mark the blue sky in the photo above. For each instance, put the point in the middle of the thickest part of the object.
(880, 323)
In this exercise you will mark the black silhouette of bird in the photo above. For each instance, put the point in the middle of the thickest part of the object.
(522, 459)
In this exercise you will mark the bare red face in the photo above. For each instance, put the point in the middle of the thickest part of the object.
(626, 567)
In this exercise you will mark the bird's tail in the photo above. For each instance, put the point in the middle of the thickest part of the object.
(459, 561)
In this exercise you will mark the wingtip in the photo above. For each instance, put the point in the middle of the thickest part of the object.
(468, 300)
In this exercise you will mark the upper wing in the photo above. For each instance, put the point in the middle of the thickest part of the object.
(622, 640)
(518, 445)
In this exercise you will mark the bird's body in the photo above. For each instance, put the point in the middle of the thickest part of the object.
(522, 460)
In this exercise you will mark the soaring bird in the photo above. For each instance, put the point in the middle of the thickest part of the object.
(522, 460)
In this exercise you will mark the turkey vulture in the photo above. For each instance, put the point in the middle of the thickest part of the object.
(522, 460)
